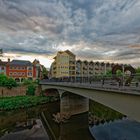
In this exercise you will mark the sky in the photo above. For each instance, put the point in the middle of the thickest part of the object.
(98, 30)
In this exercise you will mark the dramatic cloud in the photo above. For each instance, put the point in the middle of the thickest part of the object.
(105, 30)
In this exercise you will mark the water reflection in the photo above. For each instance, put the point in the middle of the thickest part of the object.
(76, 126)
(72, 118)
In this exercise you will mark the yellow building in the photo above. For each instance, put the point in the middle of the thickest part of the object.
(63, 65)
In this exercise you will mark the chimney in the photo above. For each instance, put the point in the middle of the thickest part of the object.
(8, 59)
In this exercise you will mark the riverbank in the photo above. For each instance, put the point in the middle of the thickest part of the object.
(101, 114)
(19, 102)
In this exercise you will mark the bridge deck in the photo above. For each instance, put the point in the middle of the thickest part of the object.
(96, 86)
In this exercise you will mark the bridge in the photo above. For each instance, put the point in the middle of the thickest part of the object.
(125, 100)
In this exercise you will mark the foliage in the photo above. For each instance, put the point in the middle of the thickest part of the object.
(27, 82)
(45, 73)
(7, 82)
(119, 73)
(31, 90)
(11, 103)
(138, 70)
(138, 74)
(109, 73)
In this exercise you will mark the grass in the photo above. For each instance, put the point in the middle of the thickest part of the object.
(18, 102)
(104, 112)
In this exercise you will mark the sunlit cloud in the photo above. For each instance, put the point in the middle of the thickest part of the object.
(103, 30)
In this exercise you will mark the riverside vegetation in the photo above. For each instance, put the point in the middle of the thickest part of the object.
(18, 102)
(100, 113)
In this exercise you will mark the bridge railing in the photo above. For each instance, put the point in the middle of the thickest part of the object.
(100, 80)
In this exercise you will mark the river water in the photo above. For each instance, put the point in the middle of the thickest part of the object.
(72, 118)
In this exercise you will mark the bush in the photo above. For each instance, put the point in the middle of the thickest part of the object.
(27, 82)
(11, 103)
(10, 83)
(7, 82)
(31, 90)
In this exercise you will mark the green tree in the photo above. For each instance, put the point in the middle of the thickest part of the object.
(138, 74)
(138, 71)
(3, 79)
(27, 82)
(10, 82)
(109, 73)
(31, 90)
(45, 73)
(7, 82)
(119, 73)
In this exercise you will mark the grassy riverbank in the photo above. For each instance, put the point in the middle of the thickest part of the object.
(18, 102)
(104, 112)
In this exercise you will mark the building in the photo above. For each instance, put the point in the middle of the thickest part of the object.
(3, 67)
(22, 69)
(39, 69)
(66, 65)
(63, 65)
(88, 69)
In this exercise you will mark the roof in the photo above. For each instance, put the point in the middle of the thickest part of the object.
(20, 63)
(69, 52)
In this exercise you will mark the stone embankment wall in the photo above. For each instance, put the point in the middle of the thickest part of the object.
(15, 91)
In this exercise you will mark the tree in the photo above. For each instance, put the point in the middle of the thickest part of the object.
(31, 90)
(7, 82)
(3, 79)
(119, 73)
(45, 73)
(10, 83)
(109, 73)
(138, 71)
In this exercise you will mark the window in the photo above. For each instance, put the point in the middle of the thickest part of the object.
(2, 68)
(11, 74)
(11, 68)
(29, 68)
(29, 73)
(15, 73)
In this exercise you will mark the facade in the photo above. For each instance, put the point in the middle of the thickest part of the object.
(21, 69)
(39, 69)
(66, 65)
(87, 69)
(63, 65)
(3, 67)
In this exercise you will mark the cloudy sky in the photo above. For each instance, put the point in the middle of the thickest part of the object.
(104, 30)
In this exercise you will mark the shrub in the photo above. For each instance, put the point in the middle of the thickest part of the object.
(7, 82)
(31, 90)
(27, 82)
(10, 83)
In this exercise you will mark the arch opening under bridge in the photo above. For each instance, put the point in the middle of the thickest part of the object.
(127, 104)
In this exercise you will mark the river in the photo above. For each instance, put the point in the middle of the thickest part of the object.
(72, 118)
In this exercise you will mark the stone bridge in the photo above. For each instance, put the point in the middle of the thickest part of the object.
(124, 100)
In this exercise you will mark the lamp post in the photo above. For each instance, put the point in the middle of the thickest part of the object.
(123, 76)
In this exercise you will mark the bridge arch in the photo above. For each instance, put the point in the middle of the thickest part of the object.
(123, 102)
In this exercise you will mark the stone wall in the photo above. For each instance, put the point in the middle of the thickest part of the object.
(15, 91)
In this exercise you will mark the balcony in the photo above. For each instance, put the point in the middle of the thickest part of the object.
(72, 68)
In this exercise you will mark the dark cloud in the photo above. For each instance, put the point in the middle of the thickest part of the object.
(95, 29)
